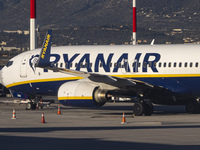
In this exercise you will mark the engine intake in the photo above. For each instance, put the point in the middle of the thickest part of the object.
(77, 93)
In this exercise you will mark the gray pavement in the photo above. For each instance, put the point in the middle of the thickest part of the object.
(98, 128)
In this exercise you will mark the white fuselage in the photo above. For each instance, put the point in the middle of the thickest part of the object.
(138, 62)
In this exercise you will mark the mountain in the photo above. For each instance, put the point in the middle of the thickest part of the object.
(14, 14)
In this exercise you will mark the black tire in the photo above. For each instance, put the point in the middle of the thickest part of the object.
(148, 108)
(138, 109)
(28, 106)
(33, 106)
(192, 107)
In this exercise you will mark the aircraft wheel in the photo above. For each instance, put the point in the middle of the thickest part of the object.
(33, 106)
(192, 107)
(148, 108)
(28, 106)
(138, 109)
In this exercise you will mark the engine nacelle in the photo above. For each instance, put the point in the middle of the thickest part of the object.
(77, 93)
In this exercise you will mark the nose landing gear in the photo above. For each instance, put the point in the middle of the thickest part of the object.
(30, 106)
(34, 103)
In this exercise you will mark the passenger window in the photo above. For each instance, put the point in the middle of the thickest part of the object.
(119, 65)
(197, 64)
(110, 65)
(185, 64)
(144, 65)
(101, 64)
(61, 64)
(9, 63)
(115, 65)
(81, 65)
(191, 64)
(66, 65)
(133, 65)
(160, 64)
(165, 64)
(150, 64)
(169, 65)
(175, 65)
(86, 65)
(76, 65)
(180, 64)
(90, 65)
(154, 64)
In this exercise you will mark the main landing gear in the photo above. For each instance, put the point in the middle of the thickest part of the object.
(193, 107)
(143, 107)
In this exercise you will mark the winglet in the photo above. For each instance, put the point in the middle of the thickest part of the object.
(44, 58)
(152, 42)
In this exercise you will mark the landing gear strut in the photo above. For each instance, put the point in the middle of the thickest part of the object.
(34, 103)
(140, 108)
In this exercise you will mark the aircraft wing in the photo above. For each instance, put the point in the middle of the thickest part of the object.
(132, 84)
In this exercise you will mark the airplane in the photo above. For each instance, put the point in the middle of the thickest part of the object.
(91, 75)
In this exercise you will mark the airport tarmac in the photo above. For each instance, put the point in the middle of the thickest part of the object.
(98, 128)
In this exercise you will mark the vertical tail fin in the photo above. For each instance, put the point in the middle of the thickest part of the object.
(44, 58)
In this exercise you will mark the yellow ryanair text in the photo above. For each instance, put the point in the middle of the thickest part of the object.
(45, 46)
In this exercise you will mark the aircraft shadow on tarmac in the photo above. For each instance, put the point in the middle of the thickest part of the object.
(32, 143)
(51, 129)
(158, 109)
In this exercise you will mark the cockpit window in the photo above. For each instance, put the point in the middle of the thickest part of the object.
(9, 63)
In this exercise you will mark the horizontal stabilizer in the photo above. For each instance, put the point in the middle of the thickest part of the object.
(44, 58)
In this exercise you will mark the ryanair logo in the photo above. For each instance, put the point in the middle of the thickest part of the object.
(123, 62)
(45, 46)
(32, 62)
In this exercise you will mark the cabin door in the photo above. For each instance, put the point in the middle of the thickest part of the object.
(24, 65)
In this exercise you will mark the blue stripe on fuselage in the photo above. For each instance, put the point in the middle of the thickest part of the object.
(180, 85)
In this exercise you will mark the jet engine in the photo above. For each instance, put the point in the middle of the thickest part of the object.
(77, 93)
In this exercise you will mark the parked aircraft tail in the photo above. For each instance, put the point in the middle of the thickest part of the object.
(45, 52)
